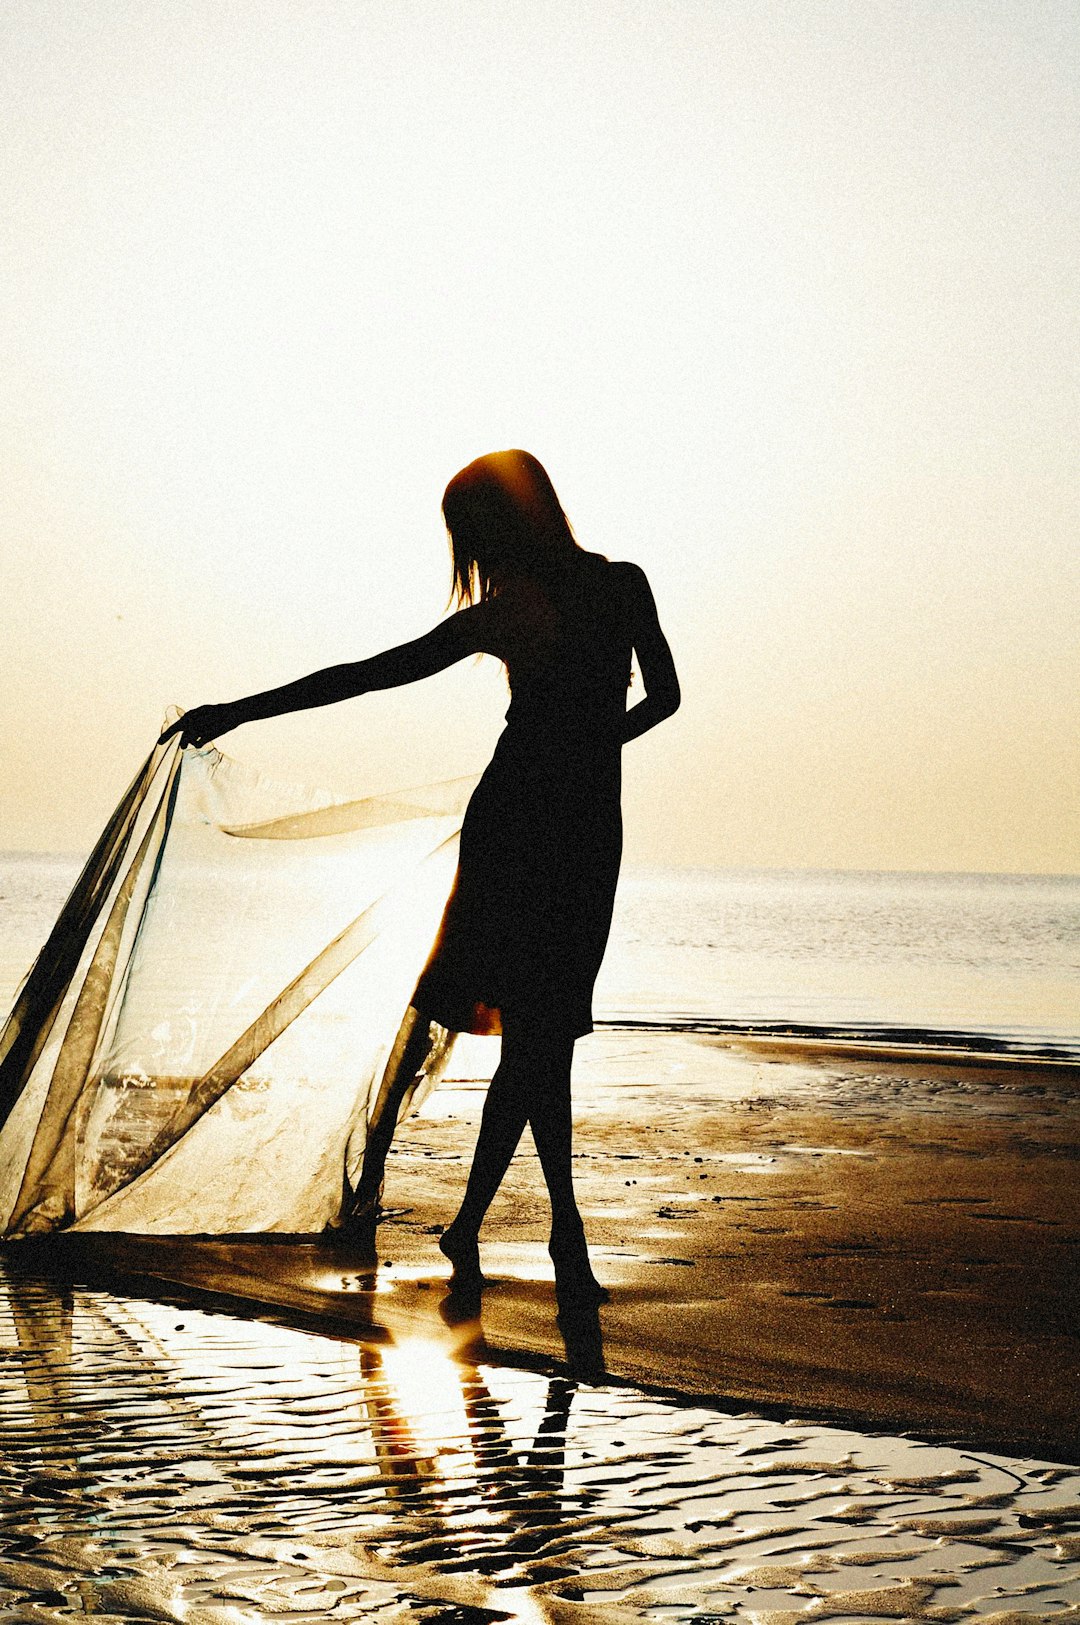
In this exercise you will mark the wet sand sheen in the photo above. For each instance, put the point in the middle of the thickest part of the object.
(173, 1464)
(888, 1243)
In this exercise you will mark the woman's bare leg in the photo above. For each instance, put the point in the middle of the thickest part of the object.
(551, 1121)
(549, 1055)
(501, 1127)
(506, 1112)
(403, 1069)
(532, 1085)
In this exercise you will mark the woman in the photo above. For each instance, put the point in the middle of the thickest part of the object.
(527, 920)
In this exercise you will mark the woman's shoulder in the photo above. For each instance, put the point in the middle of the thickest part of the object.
(615, 568)
(627, 578)
(619, 572)
(623, 569)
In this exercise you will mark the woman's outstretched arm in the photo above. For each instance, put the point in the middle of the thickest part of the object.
(662, 694)
(452, 640)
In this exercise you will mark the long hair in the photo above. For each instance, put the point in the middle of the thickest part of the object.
(503, 518)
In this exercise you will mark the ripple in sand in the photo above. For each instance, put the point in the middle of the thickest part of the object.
(173, 1464)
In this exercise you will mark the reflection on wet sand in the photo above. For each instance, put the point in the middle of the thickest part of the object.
(175, 1464)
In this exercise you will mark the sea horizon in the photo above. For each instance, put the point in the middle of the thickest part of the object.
(985, 961)
(79, 855)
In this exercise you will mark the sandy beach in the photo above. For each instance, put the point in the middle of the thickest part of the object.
(836, 1380)
(889, 1242)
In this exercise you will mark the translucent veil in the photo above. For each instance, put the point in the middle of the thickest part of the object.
(202, 1041)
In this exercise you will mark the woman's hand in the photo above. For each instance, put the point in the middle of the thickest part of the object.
(204, 722)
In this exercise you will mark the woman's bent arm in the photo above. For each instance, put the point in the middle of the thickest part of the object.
(662, 694)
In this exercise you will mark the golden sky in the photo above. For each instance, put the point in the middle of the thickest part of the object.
(782, 292)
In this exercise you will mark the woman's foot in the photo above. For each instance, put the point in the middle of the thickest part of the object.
(463, 1251)
(356, 1234)
(574, 1280)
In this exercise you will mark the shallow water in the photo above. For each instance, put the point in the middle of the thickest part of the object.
(994, 958)
(168, 1463)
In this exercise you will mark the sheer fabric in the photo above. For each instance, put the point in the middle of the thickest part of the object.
(204, 1037)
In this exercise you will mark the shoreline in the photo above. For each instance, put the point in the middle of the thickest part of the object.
(282, 1286)
(804, 1041)
(890, 1244)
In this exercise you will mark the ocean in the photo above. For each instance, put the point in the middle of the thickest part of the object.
(969, 961)
(985, 961)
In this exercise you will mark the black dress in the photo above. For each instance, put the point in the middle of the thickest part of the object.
(527, 920)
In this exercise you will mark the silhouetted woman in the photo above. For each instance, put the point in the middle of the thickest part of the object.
(527, 920)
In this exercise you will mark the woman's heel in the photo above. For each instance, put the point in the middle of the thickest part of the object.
(356, 1234)
(463, 1251)
(575, 1282)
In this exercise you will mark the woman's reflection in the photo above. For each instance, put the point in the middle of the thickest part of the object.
(491, 1505)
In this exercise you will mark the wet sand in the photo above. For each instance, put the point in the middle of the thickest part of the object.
(885, 1242)
(166, 1463)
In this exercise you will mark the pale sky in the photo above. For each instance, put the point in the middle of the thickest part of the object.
(784, 295)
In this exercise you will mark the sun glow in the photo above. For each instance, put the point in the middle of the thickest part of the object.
(427, 1384)
(783, 297)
